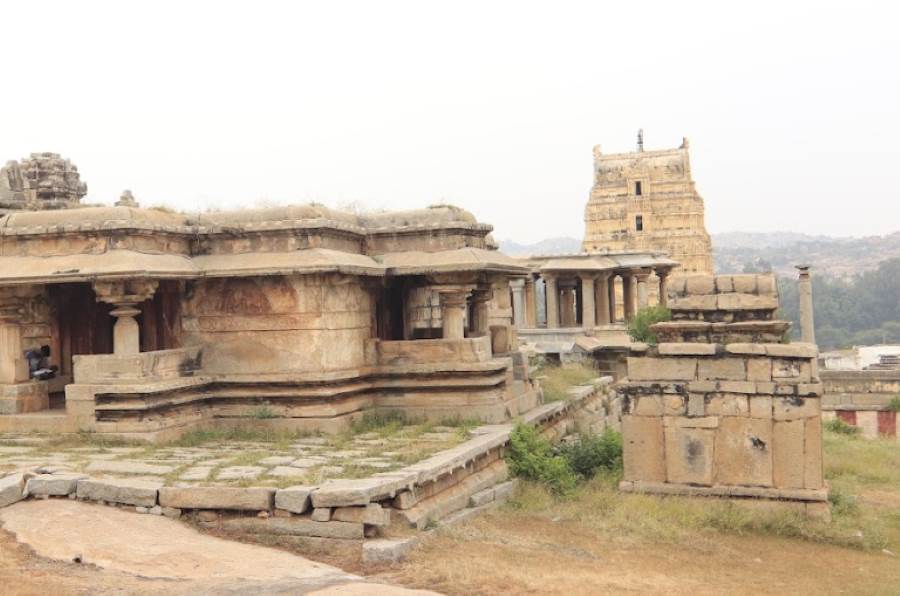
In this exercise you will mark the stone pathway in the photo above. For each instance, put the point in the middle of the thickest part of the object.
(158, 548)
(307, 460)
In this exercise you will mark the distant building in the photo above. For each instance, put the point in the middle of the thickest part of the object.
(859, 357)
(646, 201)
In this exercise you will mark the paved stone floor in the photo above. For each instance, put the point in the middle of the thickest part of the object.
(284, 460)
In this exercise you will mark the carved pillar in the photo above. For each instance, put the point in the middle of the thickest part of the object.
(611, 297)
(530, 304)
(517, 285)
(642, 297)
(453, 310)
(552, 295)
(588, 307)
(628, 291)
(602, 296)
(125, 296)
(663, 276)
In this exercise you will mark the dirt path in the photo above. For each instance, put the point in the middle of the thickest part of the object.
(500, 554)
(123, 552)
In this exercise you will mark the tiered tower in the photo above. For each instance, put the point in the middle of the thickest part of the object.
(646, 201)
(42, 181)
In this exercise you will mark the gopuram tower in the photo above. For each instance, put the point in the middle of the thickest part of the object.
(646, 201)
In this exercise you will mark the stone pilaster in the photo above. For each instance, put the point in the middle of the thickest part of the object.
(530, 304)
(517, 285)
(481, 299)
(642, 296)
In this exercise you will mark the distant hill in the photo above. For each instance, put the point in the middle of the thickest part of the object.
(736, 252)
(550, 246)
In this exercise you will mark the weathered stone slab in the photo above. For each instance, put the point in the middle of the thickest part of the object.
(787, 451)
(794, 350)
(505, 490)
(726, 369)
(727, 405)
(744, 452)
(761, 406)
(746, 348)
(127, 467)
(794, 407)
(371, 514)
(812, 454)
(217, 497)
(296, 526)
(320, 514)
(12, 489)
(689, 455)
(119, 490)
(686, 349)
(294, 499)
(644, 454)
(759, 369)
(482, 497)
(53, 485)
(662, 369)
(240, 472)
(387, 551)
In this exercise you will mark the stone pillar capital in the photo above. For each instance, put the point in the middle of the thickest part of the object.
(132, 291)
(517, 283)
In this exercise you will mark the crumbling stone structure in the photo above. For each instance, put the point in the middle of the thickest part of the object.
(721, 407)
(42, 181)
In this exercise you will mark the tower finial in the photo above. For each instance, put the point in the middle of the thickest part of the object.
(640, 144)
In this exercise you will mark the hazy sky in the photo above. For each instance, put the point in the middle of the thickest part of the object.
(792, 108)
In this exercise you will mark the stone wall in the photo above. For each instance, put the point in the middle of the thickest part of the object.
(862, 399)
(718, 409)
(285, 324)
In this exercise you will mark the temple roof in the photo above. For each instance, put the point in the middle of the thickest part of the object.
(449, 261)
(598, 262)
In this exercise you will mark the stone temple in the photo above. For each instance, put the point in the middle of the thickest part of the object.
(647, 201)
(299, 317)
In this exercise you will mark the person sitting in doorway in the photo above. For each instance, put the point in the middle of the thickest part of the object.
(39, 366)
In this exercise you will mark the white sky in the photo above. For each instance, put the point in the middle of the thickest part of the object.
(792, 108)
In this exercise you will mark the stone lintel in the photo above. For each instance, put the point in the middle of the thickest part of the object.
(665, 488)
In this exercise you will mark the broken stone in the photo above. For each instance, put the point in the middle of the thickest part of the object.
(119, 490)
(56, 485)
(12, 489)
(371, 514)
(294, 499)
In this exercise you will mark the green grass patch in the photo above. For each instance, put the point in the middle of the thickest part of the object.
(557, 380)
(838, 426)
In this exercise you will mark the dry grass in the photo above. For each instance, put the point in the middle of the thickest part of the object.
(556, 380)
(603, 541)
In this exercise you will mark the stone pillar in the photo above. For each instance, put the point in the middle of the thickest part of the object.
(453, 311)
(807, 326)
(567, 307)
(125, 296)
(628, 291)
(611, 297)
(602, 294)
(663, 276)
(530, 304)
(552, 294)
(481, 299)
(13, 367)
(588, 307)
(642, 297)
(517, 285)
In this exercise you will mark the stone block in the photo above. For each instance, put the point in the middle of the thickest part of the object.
(295, 526)
(810, 389)
(735, 301)
(505, 490)
(796, 350)
(744, 452)
(813, 475)
(747, 387)
(686, 349)
(760, 406)
(759, 369)
(786, 369)
(644, 454)
(745, 283)
(217, 497)
(673, 405)
(661, 369)
(321, 514)
(703, 386)
(53, 485)
(405, 500)
(727, 405)
(482, 497)
(724, 284)
(372, 514)
(766, 284)
(700, 284)
(387, 551)
(694, 302)
(727, 369)
(795, 407)
(294, 499)
(647, 405)
(12, 489)
(681, 422)
(696, 405)
(141, 493)
(689, 455)
(765, 388)
(746, 349)
(787, 452)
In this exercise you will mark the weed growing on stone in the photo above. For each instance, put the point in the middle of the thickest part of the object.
(836, 425)
(639, 326)
(894, 404)
(556, 380)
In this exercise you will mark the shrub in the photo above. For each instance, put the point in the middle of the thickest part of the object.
(532, 457)
(836, 425)
(264, 413)
(639, 326)
(894, 404)
(594, 452)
